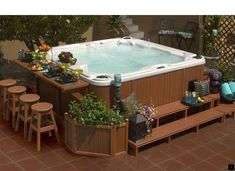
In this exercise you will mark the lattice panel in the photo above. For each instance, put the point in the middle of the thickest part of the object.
(226, 41)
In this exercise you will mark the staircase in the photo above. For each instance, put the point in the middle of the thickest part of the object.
(132, 29)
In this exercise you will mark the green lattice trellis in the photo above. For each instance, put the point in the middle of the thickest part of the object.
(226, 42)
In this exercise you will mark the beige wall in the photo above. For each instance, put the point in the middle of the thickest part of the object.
(10, 48)
(150, 26)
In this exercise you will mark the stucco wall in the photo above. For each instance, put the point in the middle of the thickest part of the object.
(10, 48)
(150, 26)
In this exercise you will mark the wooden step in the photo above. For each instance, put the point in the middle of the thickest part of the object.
(178, 126)
(170, 108)
(227, 109)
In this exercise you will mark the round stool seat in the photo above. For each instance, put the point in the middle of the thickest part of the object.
(16, 89)
(7, 82)
(42, 107)
(29, 98)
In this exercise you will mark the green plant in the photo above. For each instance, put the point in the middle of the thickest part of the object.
(227, 74)
(92, 111)
(36, 30)
(211, 30)
(114, 25)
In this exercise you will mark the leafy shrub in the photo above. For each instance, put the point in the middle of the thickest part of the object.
(92, 111)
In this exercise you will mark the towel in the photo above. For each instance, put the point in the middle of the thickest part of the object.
(232, 87)
(226, 91)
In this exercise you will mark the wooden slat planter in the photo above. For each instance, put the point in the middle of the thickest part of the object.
(96, 140)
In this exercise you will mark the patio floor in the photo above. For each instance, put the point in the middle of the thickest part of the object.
(213, 148)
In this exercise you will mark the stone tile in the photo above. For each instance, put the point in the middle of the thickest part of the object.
(117, 166)
(186, 144)
(219, 161)
(4, 160)
(32, 149)
(11, 167)
(63, 167)
(2, 135)
(83, 164)
(204, 166)
(50, 159)
(106, 162)
(138, 162)
(154, 168)
(228, 141)
(31, 164)
(19, 155)
(230, 154)
(187, 159)
(7, 145)
(203, 153)
(52, 143)
(172, 165)
(171, 149)
(156, 156)
(216, 147)
(200, 139)
(66, 154)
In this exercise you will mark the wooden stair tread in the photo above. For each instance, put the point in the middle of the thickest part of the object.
(225, 108)
(178, 126)
(214, 96)
(170, 108)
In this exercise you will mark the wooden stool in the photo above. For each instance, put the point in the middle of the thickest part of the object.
(4, 84)
(26, 101)
(12, 101)
(38, 111)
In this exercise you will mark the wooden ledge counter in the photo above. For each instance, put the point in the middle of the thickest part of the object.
(51, 91)
(63, 87)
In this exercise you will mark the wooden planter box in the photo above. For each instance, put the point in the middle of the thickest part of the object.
(95, 140)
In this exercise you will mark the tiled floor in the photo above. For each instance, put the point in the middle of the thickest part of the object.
(213, 148)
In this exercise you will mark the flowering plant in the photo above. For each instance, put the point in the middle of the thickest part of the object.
(149, 112)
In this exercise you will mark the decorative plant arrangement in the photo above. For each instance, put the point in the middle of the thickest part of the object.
(67, 57)
(44, 47)
(101, 131)
(149, 113)
(68, 76)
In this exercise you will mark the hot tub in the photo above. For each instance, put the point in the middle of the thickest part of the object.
(152, 71)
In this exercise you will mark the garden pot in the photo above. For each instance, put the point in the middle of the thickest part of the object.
(211, 61)
(95, 140)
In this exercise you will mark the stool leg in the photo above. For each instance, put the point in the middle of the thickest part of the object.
(30, 127)
(56, 129)
(13, 110)
(38, 131)
(18, 117)
(7, 112)
(26, 110)
(4, 103)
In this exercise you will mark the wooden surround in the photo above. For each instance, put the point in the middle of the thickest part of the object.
(158, 89)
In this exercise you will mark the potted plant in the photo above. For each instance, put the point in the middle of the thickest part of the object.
(211, 28)
(149, 112)
(91, 129)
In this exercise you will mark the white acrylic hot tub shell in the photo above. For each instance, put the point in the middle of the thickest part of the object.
(91, 78)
